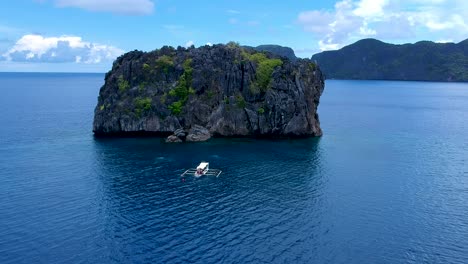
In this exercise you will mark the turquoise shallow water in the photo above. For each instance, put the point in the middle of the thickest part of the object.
(387, 183)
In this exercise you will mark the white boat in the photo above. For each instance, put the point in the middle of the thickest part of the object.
(202, 169)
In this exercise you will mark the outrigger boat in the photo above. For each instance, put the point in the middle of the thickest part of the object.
(202, 169)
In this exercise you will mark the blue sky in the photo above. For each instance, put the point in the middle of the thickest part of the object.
(87, 35)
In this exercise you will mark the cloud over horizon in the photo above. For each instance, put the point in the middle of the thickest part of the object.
(351, 20)
(123, 7)
(36, 48)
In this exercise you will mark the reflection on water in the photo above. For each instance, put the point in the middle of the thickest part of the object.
(268, 196)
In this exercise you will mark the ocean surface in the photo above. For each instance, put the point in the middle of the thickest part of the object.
(387, 183)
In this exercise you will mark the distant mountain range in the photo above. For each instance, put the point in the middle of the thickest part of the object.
(371, 59)
(285, 52)
(278, 50)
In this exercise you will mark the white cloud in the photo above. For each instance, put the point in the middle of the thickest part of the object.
(232, 11)
(388, 20)
(315, 21)
(189, 43)
(365, 31)
(453, 22)
(36, 48)
(328, 45)
(125, 7)
(333, 27)
(209, 44)
(444, 41)
(370, 8)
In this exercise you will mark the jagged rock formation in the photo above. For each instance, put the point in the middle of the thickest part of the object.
(371, 59)
(221, 90)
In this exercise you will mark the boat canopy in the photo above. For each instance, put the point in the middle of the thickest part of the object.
(203, 165)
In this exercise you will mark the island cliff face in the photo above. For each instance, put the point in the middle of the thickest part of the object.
(221, 90)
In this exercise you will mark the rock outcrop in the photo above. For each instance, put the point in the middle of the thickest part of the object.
(173, 139)
(198, 133)
(221, 90)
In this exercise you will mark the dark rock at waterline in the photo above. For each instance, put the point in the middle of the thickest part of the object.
(227, 90)
(198, 133)
(173, 139)
(195, 134)
(180, 133)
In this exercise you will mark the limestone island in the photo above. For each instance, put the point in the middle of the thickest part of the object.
(193, 94)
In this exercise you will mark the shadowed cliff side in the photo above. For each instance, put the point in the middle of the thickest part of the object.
(371, 59)
(220, 90)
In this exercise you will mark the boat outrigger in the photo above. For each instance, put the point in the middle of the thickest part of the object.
(202, 169)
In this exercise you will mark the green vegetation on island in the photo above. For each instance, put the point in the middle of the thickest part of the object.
(265, 68)
(373, 59)
(183, 88)
(122, 84)
(219, 90)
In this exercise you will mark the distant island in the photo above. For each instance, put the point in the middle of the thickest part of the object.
(278, 50)
(371, 59)
(192, 94)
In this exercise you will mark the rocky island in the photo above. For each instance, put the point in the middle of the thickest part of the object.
(192, 94)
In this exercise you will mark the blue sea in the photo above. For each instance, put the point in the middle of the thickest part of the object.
(387, 182)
